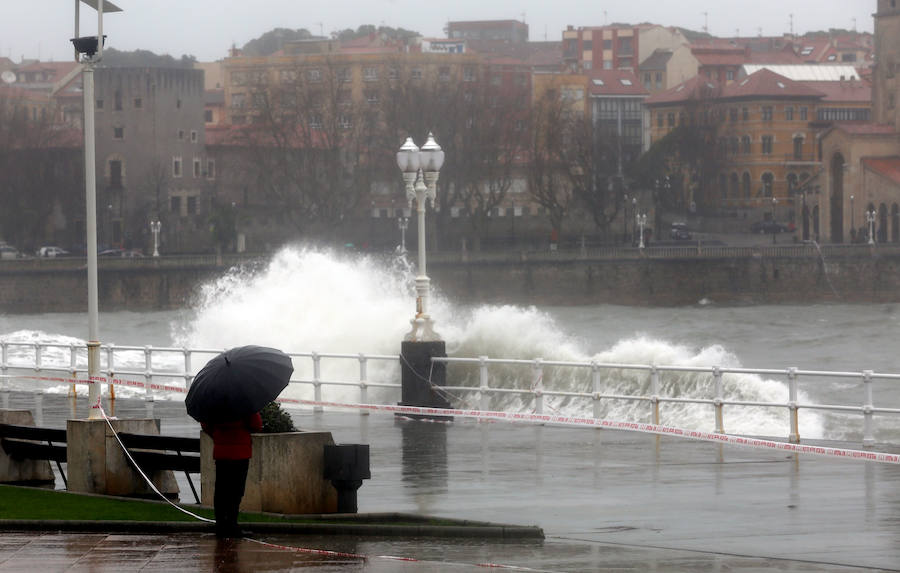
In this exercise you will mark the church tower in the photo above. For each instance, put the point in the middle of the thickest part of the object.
(886, 78)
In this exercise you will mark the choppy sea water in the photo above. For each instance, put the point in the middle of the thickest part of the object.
(309, 300)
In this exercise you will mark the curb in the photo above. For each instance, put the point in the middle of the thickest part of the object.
(355, 529)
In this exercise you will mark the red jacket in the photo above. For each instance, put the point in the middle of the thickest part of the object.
(231, 440)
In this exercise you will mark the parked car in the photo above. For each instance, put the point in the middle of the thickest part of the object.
(9, 252)
(123, 253)
(679, 232)
(766, 227)
(52, 252)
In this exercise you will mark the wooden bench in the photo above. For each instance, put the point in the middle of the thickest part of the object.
(152, 452)
(27, 443)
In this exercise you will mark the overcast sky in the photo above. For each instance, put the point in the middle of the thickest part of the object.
(207, 28)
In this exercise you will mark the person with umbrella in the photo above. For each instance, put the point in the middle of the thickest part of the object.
(226, 397)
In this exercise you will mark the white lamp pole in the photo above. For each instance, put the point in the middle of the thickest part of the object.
(155, 227)
(420, 169)
(402, 224)
(870, 219)
(641, 220)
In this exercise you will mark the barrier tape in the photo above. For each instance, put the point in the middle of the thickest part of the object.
(556, 420)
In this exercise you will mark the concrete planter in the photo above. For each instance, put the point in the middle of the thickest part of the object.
(285, 476)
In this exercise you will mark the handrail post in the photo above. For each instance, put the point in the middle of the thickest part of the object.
(73, 367)
(187, 368)
(595, 380)
(484, 398)
(110, 365)
(4, 361)
(38, 356)
(148, 380)
(794, 437)
(317, 380)
(868, 430)
(363, 383)
(720, 419)
(654, 391)
(537, 386)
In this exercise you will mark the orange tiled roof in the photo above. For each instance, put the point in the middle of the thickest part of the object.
(888, 167)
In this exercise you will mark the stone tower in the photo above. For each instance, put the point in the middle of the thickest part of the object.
(885, 96)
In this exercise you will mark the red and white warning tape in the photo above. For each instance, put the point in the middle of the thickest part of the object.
(556, 420)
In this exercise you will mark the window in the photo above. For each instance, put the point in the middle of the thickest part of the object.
(176, 167)
(768, 181)
(767, 144)
(210, 169)
(496, 79)
(197, 172)
(733, 114)
(745, 114)
(658, 80)
(344, 74)
(175, 205)
(370, 74)
(193, 136)
(115, 174)
(729, 75)
(660, 121)
(344, 121)
(587, 65)
(99, 104)
(587, 45)
(798, 147)
(237, 101)
(117, 101)
(468, 74)
(789, 113)
(372, 98)
(444, 73)
(625, 48)
(745, 145)
(207, 115)
(315, 120)
(416, 73)
(393, 73)
(118, 133)
(767, 113)
(670, 117)
(648, 80)
(804, 113)
(180, 135)
(734, 145)
(607, 44)
(314, 75)
(191, 205)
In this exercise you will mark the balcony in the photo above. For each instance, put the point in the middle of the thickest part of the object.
(801, 158)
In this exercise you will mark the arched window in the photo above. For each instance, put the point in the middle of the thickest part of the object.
(735, 186)
(745, 183)
(768, 184)
(895, 223)
(745, 145)
(793, 184)
(882, 223)
(798, 147)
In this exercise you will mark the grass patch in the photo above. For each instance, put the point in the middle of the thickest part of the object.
(27, 503)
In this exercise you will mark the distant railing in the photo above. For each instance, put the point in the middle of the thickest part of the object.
(693, 249)
(166, 370)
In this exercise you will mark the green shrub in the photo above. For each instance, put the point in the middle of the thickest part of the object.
(275, 419)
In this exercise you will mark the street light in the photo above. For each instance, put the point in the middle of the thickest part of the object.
(625, 218)
(90, 51)
(421, 169)
(633, 210)
(155, 227)
(870, 219)
(641, 220)
(774, 233)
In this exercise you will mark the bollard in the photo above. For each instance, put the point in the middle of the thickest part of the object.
(363, 383)
(484, 399)
(595, 377)
(346, 466)
(654, 393)
(317, 380)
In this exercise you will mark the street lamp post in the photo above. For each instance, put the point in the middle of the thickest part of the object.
(90, 51)
(634, 210)
(774, 234)
(402, 224)
(155, 227)
(870, 219)
(641, 220)
(852, 224)
(421, 169)
(624, 218)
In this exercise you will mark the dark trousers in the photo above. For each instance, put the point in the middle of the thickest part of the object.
(231, 477)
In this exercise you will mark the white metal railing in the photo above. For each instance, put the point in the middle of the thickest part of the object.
(148, 365)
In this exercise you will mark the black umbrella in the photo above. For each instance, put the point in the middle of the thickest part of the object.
(237, 383)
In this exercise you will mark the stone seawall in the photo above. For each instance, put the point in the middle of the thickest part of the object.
(871, 277)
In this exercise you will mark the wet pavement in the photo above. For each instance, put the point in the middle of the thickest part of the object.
(606, 500)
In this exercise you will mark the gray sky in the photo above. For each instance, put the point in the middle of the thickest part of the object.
(207, 28)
